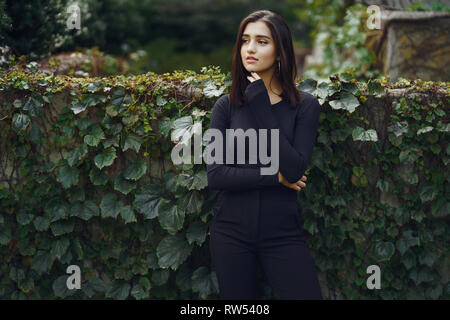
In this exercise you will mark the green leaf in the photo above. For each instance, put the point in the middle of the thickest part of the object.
(42, 262)
(171, 216)
(197, 181)
(375, 87)
(196, 233)
(147, 200)
(118, 289)
(409, 259)
(84, 210)
(160, 276)
(67, 176)
(110, 205)
(359, 134)
(172, 251)
(192, 201)
(127, 214)
(59, 247)
(440, 207)
(41, 223)
(123, 185)
(94, 86)
(86, 102)
(307, 85)
(61, 227)
(132, 141)
(5, 235)
(135, 170)
(60, 287)
(346, 101)
(141, 290)
(383, 251)
(95, 136)
(203, 282)
(106, 158)
(98, 177)
(75, 155)
(57, 210)
(428, 193)
(121, 99)
(20, 121)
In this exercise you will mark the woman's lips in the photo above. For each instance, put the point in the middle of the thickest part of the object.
(250, 60)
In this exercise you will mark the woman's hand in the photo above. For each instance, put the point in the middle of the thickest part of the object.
(296, 186)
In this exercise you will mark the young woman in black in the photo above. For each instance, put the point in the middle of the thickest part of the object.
(258, 216)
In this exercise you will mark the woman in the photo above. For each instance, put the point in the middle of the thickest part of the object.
(257, 218)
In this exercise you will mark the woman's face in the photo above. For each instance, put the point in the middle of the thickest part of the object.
(257, 42)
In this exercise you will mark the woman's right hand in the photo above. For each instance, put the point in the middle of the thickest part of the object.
(296, 186)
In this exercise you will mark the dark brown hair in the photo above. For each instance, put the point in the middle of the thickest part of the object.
(284, 48)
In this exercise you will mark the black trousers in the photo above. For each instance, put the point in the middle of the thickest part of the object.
(272, 236)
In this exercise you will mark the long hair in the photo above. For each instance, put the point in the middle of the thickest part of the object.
(282, 37)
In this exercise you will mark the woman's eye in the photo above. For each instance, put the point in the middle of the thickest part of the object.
(261, 42)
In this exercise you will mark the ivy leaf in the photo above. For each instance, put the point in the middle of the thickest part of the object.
(428, 193)
(94, 86)
(42, 261)
(160, 276)
(171, 216)
(211, 89)
(20, 121)
(196, 232)
(135, 170)
(308, 85)
(86, 102)
(165, 127)
(141, 290)
(110, 205)
(132, 141)
(172, 251)
(192, 201)
(84, 210)
(204, 282)
(59, 247)
(60, 287)
(120, 98)
(67, 176)
(31, 105)
(383, 251)
(197, 181)
(118, 289)
(127, 214)
(95, 135)
(123, 185)
(61, 227)
(106, 158)
(375, 87)
(57, 210)
(399, 128)
(98, 177)
(75, 155)
(440, 207)
(346, 101)
(148, 199)
(41, 223)
(359, 134)
(5, 235)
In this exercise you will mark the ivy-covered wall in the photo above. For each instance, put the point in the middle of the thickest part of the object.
(86, 179)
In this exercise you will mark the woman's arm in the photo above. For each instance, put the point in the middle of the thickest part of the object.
(226, 177)
(294, 159)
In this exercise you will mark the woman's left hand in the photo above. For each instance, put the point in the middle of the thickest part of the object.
(254, 76)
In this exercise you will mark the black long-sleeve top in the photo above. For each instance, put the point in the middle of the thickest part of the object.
(297, 137)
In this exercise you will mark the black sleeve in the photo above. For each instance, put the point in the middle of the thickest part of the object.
(294, 159)
(225, 177)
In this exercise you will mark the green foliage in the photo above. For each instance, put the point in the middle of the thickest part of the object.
(135, 236)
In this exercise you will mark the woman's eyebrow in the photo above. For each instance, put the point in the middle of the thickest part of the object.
(258, 36)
